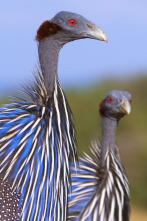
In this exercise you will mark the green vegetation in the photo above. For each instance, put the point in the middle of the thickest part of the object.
(131, 134)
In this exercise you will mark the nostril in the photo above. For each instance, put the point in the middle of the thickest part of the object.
(90, 26)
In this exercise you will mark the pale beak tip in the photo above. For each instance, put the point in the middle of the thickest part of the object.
(104, 37)
(128, 113)
(106, 40)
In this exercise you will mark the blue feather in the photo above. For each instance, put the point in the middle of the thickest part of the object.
(36, 140)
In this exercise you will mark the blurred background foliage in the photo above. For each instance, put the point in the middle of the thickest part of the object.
(131, 134)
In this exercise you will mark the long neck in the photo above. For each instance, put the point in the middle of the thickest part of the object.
(48, 55)
(109, 127)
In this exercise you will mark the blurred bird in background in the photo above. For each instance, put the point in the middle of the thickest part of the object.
(100, 185)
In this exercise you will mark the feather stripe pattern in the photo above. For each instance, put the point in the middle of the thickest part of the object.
(99, 193)
(36, 140)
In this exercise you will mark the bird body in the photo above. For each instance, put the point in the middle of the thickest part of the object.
(100, 185)
(37, 137)
(38, 159)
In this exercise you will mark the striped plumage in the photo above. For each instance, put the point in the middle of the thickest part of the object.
(99, 193)
(38, 160)
(37, 138)
(100, 185)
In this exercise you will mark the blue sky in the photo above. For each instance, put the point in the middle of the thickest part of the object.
(83, 61)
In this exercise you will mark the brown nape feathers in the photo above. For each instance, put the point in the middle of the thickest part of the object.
(102, 108)
(47, 29)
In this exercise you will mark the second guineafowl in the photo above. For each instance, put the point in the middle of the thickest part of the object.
(100, 185)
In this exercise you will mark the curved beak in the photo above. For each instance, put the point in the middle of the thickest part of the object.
(96, 32)
(126, 106)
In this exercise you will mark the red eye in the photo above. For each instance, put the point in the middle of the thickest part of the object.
(130, 101)
(72, 22)
(110, 100)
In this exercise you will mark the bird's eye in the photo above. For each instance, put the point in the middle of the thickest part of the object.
(72, 22)
(110, 100)
(130, 101)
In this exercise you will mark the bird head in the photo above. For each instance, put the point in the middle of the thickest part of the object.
(116, 104)
(73, 26)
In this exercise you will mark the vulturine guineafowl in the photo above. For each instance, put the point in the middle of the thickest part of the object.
(100, 185)
(37, 137)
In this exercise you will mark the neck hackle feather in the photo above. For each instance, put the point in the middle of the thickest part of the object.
(99, 193)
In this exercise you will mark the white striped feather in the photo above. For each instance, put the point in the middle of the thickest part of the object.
(54, 150)
(99, 194)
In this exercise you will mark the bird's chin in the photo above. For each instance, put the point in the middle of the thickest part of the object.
(119, 113)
